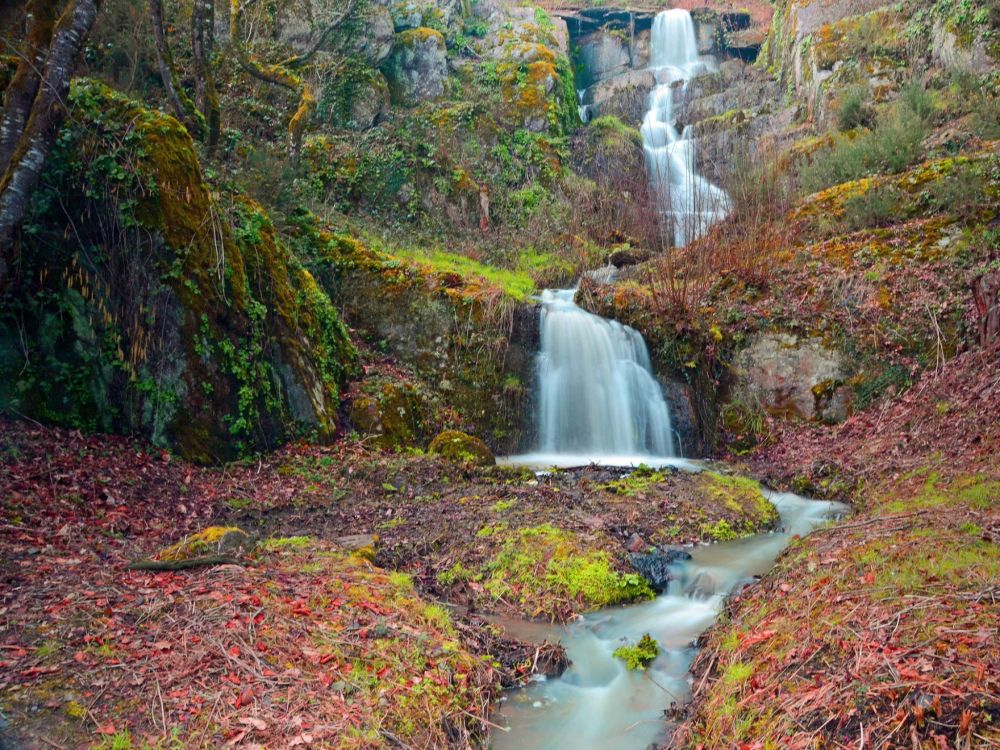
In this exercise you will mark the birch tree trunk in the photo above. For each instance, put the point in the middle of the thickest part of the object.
(48, 108)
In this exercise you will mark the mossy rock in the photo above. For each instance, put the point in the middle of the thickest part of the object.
(214, 540)
(191, 322)
(458, 446)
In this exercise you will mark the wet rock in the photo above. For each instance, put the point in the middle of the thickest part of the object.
(655, 566)
(704, 586)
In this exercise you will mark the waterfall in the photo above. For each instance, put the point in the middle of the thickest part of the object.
(690, 201)
(597, 394)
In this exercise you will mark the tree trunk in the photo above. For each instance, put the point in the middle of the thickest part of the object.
(42, 127)
(202, 44)
(24, 85)
(282, 74)
(180, 102)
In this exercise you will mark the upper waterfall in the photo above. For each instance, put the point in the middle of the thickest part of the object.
(690, 201)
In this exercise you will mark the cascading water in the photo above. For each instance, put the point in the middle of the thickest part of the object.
(598, 401)
(691, 202)
(598, 704)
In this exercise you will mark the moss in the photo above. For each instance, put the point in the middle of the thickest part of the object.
(233, 346)
(639, 655)
(463, 448)
(412, 37)
(212, 540)
(546, 569)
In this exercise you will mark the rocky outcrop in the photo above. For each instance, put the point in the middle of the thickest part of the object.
(417, 69)
(790, 376)
(625, 96)
(195, 325)
(968, 55)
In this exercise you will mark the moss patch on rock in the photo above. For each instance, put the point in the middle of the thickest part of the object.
(463, 448)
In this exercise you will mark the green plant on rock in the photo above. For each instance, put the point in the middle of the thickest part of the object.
(639, 655)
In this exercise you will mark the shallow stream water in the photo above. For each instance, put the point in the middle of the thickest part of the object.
(598, 704)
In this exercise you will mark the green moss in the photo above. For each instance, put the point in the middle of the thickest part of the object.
(547, 569)
(639, 655)
(412, 37)
(642, 479)
(458, 446)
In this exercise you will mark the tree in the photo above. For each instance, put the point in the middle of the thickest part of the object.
(35, 105)
(184, 109)
(284, 73)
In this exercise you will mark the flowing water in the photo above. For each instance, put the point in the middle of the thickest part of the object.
(598, 401)
(688, 200)
(599, 705)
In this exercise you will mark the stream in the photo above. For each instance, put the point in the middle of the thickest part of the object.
(599, 402)
(597, 703)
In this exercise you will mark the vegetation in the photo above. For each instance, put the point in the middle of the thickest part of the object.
(268, 315)
(639, 655)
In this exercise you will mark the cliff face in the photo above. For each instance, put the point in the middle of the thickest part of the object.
(841, 146)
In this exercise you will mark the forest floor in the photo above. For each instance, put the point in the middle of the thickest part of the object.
(348, 623)
(352, 619)
(883, 628)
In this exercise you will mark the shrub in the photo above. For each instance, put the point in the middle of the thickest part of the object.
(854, 110)
(895, 143)
(873, 208)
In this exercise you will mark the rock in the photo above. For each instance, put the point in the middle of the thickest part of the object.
(458, 446)
(603, 55)
(626, 95)
(374, 42)
(706, 34)
(629, 256)
(214, 540)
(704, 586)
(394, 416)
(946, 48)
(635, 543)
(789, 376)
(655, 566)
(418, 69)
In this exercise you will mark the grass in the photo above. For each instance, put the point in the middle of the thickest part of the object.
(894, 143)
(517, 284)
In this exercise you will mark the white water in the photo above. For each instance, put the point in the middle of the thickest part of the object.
(599, 705)
(597, 398)
(690, 201)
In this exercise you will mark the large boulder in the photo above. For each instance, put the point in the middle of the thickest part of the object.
(789, 376)
(418, 67)
(375, 39)
(196, 326)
